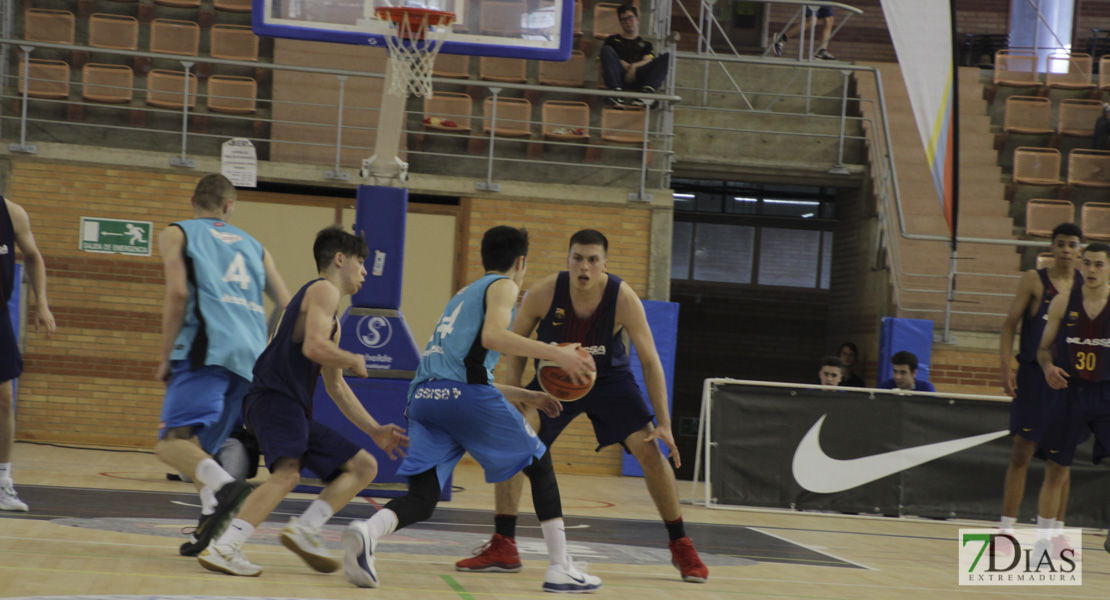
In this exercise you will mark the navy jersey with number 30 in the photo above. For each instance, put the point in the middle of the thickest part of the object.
(1085, 341)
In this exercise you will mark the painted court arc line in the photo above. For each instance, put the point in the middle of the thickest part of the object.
(458, 588)
(813, 549)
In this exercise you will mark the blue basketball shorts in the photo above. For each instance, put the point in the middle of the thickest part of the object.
(11, 362)
(284, 430)
(615, 406)
(208, 399)
(449, 418)
(1080, 408)
(1029, 411)
(822, 12)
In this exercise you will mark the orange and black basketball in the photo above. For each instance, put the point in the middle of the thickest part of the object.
(559, 384)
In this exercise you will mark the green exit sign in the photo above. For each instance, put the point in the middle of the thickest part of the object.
(116, 236)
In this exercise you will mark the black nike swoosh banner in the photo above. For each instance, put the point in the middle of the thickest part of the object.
(759, 431)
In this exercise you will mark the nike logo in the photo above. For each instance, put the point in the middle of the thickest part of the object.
(1024, 429)
(557, 324)
(817, 472)
(577, 580)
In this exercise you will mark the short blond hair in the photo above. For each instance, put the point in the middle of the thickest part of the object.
(212, 191)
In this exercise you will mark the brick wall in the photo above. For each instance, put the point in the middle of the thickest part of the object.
(93, 381)
(965, 370)
(550, 226)
(1089, 14)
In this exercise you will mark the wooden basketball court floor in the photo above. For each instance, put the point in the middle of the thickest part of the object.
(107, 523)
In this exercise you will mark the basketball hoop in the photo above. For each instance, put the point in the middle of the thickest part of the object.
(415, 38)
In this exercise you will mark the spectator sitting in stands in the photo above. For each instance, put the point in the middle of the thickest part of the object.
(905, 375)
(849, 353)
(1102, 130)
(830, 372)
(628, 61)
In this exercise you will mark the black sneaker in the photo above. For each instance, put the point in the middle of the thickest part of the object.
(228, 500)
(193, 546)
(824, 55)
(778, 43)
(647, 89)
(616, 102)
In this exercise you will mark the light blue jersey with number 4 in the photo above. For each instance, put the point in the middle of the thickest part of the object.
(225, 322)
(455, 351)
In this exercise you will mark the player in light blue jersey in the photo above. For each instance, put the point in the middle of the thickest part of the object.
(213, 329)
(454, 407)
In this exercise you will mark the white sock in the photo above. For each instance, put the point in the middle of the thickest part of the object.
(207, 500)
(1007, 524)
(6, 471)
(556, 539)
(383, 523)
(316, 515)
(1044, 527)
(236, 533)
(211, 474)
(1059, 525)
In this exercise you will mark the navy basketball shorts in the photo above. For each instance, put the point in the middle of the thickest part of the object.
(11, 362)
(284, 430)
(1081, 407)
(208, 399)
(448, 418)
(615, 406)
(822, 12)
(1029, 411)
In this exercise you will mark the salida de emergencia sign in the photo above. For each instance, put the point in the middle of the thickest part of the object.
(116, 236)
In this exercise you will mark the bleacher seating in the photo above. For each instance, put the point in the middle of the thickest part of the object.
(232, 95)
(1016, 68)
(47, 25)
(606, 22)
(501, 17)
(119, 32)
(452, 110)
(1028, 115)
(1045, 260)
(623, 125)
(1089, 168)
(456, 66)
(165, 89)
(505, 70)
(1042, 216)
(179, 3)
(1077, 117)
(239, 6)
(233, 42)
(514, 117)
(566, 121)
(1104, 73)
(1096, 220)
(570, 73)
(170, 36)
(1070, 72)
(44, 78)
(1037, 166)
(107, 83)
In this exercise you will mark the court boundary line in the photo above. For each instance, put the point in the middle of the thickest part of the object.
(814, 549)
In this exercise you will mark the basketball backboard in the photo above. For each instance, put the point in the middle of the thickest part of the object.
(535, 29)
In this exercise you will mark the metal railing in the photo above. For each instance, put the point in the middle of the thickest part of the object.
(890, 214)
(643, 164)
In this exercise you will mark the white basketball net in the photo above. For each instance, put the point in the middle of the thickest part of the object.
(412, 62)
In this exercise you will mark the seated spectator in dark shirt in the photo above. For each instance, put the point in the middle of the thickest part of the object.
(849, 354)
(830, 372)
(905, 374)
(1102, 130)
(628, 61)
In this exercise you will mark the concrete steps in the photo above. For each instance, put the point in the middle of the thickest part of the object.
(983, 211)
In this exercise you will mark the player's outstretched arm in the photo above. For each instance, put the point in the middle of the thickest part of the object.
(528, 398)
(1054, 375)
(171, 242)
(630, 312)
(275, 285)
(390, 438)
(35, 265)
(1020, 304)
(321, 300)
(533, 308)
(500, 299)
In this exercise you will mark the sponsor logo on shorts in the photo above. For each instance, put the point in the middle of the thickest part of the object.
(560, 313)
(425, 393)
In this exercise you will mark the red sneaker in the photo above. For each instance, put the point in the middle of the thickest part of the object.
(497, 556)
(685, 558)
(1059, 544)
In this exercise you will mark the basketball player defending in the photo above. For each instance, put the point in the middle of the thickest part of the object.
(213, 329)
(1078, 325)
(1032, 396)
(15, 232)
(454, 407)
(588, 305)
(278, 409)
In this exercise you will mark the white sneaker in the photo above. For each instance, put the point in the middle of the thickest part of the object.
(571, 579)
(308, 545)
(9, 500)
(227, 559)
(358, 555)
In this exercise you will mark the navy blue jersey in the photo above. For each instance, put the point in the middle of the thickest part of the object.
(1083, 346)
(1032, 326)
(7, 254)
(595, 333)
(283, 368)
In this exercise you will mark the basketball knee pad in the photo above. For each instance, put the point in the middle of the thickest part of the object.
(545, 490)
(420, 502)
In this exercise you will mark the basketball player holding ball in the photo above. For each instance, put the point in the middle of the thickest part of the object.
(588, 305)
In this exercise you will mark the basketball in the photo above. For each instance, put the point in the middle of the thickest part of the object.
(558, 384)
